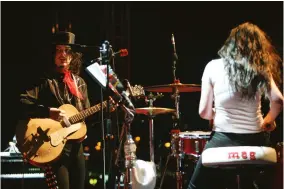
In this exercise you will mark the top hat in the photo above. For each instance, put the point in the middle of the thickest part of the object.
(64, 38)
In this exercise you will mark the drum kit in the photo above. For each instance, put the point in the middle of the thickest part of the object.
(182, 143)
(189, 143)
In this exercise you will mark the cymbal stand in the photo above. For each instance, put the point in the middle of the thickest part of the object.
(151, 98)
(175, 142)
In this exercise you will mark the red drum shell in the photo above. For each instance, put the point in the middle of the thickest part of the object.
(193, 142)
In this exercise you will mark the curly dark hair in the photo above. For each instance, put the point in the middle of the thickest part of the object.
(76, 62)
(250, 60)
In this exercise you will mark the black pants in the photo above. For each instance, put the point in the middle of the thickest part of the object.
(70, 169)
(215, 178)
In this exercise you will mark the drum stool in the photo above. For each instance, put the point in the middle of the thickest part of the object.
(239, 158)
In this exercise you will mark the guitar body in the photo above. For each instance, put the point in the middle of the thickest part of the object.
(41, 141)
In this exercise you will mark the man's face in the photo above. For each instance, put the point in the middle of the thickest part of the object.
(63, 56)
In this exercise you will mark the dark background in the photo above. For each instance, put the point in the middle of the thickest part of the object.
(145, 29)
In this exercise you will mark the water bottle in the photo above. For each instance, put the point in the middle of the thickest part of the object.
(130, 152)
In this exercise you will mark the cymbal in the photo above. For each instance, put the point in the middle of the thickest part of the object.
(153, 110)
(170, 88)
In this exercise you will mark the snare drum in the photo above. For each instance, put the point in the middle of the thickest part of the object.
(193, 142)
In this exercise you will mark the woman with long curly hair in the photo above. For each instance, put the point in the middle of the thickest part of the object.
(232, 86)
(62, 85)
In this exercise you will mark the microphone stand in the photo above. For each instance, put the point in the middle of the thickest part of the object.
(113, 171)
(104, 55)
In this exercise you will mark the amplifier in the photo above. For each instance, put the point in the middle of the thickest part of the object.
(15, 173)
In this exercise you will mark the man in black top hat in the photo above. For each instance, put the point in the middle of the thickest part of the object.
(61, 86)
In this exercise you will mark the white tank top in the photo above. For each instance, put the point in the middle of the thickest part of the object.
(233, 114)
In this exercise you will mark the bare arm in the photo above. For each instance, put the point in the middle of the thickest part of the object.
(206, 98)
(276, 106)
(206, 101)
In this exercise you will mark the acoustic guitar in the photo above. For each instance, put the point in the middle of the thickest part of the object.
(42, 140)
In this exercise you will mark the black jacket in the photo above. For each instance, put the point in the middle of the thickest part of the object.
(49, 92)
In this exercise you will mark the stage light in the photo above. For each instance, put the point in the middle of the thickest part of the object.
(99, 144)
(106, 177)
(53, 29)
(137, 139)
(167, 144)
(98, 148)
(111, 137)
(93, 182)
(86, 148)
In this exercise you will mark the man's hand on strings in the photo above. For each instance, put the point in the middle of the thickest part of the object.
(56, 114)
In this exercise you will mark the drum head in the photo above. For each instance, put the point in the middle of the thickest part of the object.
(195, 134)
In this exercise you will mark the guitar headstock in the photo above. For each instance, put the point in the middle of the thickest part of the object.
(137, 91)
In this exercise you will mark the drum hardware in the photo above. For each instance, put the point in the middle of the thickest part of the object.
(151, 98)
(170, 88)
(176, 146)
(174, 134)
(175, 88)
(151, 112)
(192, 143)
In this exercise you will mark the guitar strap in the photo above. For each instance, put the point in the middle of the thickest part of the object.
(50, 177)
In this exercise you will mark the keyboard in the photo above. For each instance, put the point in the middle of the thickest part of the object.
(22, 175)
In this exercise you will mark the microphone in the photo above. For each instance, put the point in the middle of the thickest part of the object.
(105, 46)
(121, 53)
(174, 48)
(113, 79)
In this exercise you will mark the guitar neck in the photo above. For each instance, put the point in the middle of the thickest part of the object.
(86, 113)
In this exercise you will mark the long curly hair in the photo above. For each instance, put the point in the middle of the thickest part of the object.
(250, 60)
(76, 63)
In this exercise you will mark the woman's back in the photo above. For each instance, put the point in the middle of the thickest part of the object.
(233, 113)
